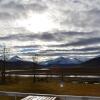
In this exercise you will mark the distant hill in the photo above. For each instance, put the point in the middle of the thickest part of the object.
(13, 65)
(90, 67)
(92, 63)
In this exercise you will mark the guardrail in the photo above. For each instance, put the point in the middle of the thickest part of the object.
(61, 97)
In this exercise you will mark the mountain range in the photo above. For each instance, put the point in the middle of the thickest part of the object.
(68, 65)
(62, 61)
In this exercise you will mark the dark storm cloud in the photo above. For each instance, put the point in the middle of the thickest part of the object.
(27, 46)
(16, 6)
(70, 52)
(57, 36)
(84, 15)
(83, 19)
(76, 53)
(87, 49)
(29, 37)
(90, 49)
(19, 37)
(16, 10)
(75, 33)
(63, 54)
(13, 10)
(37, 7)
(7, 16)
(81, 42)
(72, 33)
(94, 15)
(84, 42)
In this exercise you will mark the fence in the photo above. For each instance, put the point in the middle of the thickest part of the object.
(61, 97)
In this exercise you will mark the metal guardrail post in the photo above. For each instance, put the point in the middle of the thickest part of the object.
(15, 97)
(63, 98)
(85, 98)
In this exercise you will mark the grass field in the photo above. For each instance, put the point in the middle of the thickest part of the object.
(50, 87)
(9, 98)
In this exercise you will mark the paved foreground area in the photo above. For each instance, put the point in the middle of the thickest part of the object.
(79, 98)
(61, 98)
(35, 96)
(39, 98)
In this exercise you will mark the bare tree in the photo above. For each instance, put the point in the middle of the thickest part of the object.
(35, 58)
(35, 62)
(4, 52)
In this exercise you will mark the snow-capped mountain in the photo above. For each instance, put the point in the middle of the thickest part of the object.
(15, 58)
(62, 61)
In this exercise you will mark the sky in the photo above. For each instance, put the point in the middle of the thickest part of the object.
(50, 28)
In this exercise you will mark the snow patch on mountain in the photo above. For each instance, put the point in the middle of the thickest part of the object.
(15, 58)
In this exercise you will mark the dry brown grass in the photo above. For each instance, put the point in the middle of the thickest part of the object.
(8, 98)
(51, 87)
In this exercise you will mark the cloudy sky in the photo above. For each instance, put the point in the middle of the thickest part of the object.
(51, 28)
